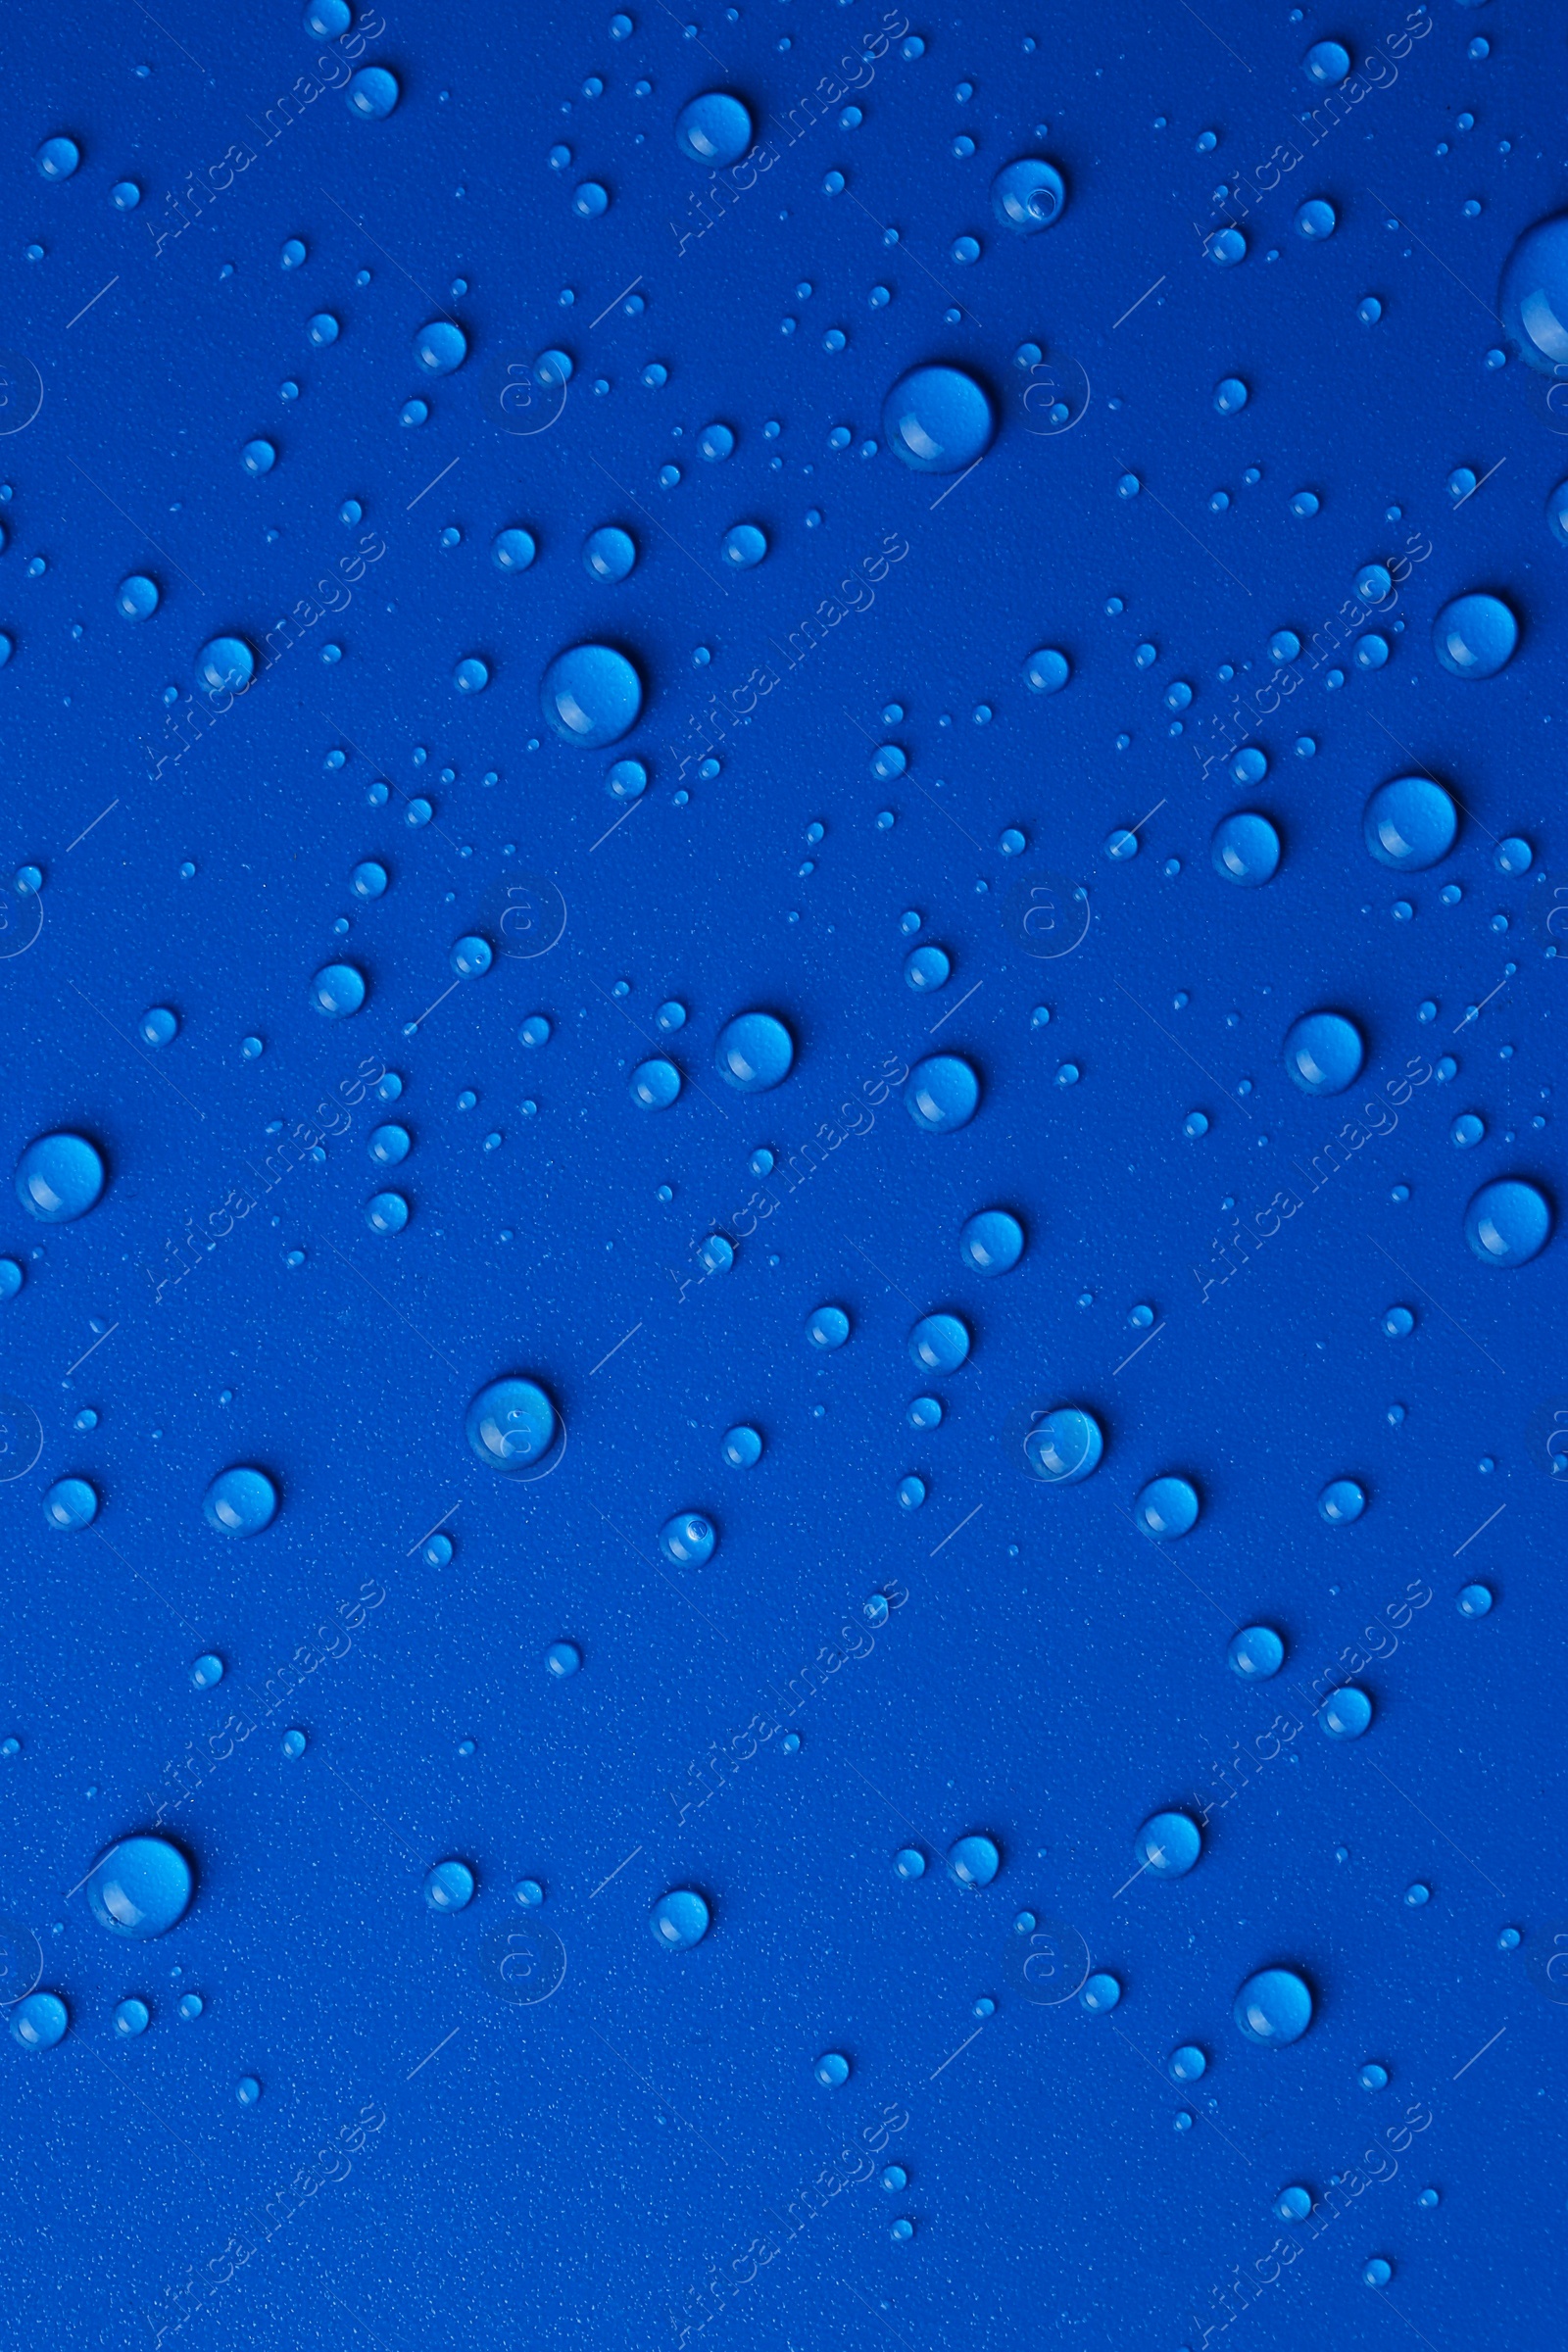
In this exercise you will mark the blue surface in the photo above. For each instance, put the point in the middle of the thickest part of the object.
(622, 1843)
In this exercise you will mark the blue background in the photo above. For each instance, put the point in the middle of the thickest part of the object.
(575, 2169)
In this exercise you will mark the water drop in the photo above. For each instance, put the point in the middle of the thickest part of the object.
(60, 1177)
(941, 1094)
(70, 1504)
(1324, 1052)
(511, 1424)
(1256, 1653)
(1274, 2007)
(1028, 195)
(1410, 823)
(940, 1343)
(688, 1540)
(927, 968)
(753, 1052)
(745, 546)
(338, 990)
(1064, 1446)
(449, 1886)
(1167, 1507)
(372, 93)
(1532, 296)
(40, 2020)
(1475, 636)
(828, 1327)
(1245, 849)
(592, 696)
(141, 1887)
(938, 419)
(1168, 1844)
(974, 1860)
(992, 1242)
(136, 598)
(1508, 1222)
(1345, 1714)
(715, 129)
(224, 665)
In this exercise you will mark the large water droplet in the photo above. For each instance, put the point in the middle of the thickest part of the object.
(1475, 636)
(1410, 823)
(1342, 1502)
(942, 1093)
(449, 1886)
(40, 2020)
(1028, 195)
(136, 597)
(71, 1503)
(142, 1887)
(58, 158)
(687, 1541)
(1345, 1714)
(715, 129)
(609, 553)
(59, 1177)
(992, 1242)
(1326, 62)
(441, 347)
(939, 1343)
(338, 990)
(828, 1327)
(1324, 1052)
(1256, 1653)
(1064, 1446)
(1169, 1844)
(592, 696)
(1245, 849)
(655, 1085)
(755, 1051)
(974, 1860)
(938, 419)
(224, 665)
(1533, 296)
(511, 1424)
(373, 94)
(1508, 1222)
(1274, 2007)
(1167, 1507)
(680, 1919)
(240, 1501)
